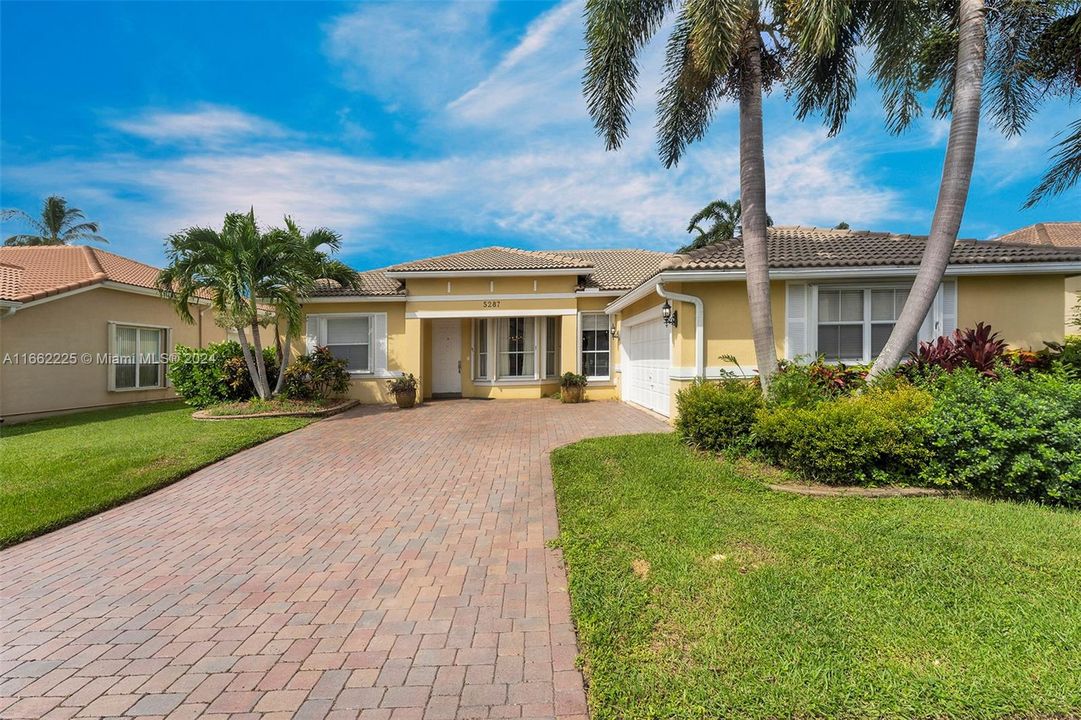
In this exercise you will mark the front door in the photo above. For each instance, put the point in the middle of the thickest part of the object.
(447, 357)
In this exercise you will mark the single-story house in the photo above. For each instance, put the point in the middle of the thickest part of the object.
(1060, 235)
(84, 328)
(505, 323)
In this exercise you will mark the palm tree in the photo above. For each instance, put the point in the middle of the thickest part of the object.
(725, 219)
(245, 272)
(716, 51)
(960, 47)
(314, 264)
(58, 225)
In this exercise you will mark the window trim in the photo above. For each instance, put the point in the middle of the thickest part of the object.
(321, 336)
(866, 322)
(165, 343)
(581, 352)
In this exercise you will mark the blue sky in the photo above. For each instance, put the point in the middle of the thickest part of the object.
(420, 128)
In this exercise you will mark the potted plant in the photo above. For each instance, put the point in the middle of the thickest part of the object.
(404, 390)
(572, 387)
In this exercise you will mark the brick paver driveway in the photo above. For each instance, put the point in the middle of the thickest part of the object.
(380, 564)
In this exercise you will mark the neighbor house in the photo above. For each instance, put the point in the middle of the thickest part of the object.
(1055, 234)
(505, 323)
(84, 328)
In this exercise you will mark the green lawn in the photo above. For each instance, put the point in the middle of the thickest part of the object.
(56, 471)
(698, 593)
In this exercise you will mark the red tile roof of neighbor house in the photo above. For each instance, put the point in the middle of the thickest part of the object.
(795, 246)
(1055, 234)
(32, 273)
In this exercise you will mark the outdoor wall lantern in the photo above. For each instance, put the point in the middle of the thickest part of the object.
(671, 317)
(612, 330)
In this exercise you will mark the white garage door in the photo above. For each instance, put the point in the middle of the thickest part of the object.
(646, 362)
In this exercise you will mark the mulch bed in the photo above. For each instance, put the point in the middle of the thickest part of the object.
(846, 491)
(332, 410)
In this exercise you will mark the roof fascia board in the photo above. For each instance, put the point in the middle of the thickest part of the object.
(314, 299)
(407, 274)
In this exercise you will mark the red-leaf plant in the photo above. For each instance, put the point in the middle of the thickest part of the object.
(978, 347)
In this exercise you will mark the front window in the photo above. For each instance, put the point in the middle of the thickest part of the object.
(480, 332)
(855, 323)
(140, 358)
(595, 345)
(516, 347)
(551, 347)
(349, 339)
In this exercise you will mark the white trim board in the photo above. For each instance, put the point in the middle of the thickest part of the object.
(434, 314)
(351, 298)
(492, 296)
(406, 274)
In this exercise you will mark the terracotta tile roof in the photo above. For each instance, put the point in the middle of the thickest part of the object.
(619, 269)
(810, 247)
(1054, 234)
(491, 258)
(31, 273)
(372, 283)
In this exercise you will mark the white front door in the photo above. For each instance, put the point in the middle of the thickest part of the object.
(647, 349)
(446, 356)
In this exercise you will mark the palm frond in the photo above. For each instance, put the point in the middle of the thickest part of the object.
(616, 30)
(1064, 172)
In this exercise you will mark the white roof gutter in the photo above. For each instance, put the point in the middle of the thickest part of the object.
(699, 326)
(9, 307)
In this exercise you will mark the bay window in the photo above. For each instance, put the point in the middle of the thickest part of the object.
(517, 348)
(595, 355)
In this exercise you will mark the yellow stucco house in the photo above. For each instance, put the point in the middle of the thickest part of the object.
(505, 323)
(1065, 235)
(84, 328)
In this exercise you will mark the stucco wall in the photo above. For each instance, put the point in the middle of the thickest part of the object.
(403, 346)
(79, 324)
(1073, 300)
(1025, 310)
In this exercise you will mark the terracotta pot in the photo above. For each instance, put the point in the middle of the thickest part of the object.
(572, 394)
(406, 399)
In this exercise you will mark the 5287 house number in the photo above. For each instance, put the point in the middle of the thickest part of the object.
(491, 303)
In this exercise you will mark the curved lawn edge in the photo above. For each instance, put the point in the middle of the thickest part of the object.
(325, 412)
(57, 472)
(696, 591)
(888, 491)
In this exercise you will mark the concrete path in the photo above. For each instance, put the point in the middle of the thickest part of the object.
(378, 564)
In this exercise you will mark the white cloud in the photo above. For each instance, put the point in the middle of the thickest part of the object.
(207, 124)
(420, 53)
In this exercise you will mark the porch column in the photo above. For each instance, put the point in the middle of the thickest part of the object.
(413, 354)
(568, 360)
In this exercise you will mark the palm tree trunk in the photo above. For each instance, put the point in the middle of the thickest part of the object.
(952, 191)
(249, 358)
(752, 196)
(263, 388)
(283, 363)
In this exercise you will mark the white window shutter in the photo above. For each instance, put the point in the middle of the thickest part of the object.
(949, 306)
(110, 369)
(311, 334)
(379, 364)
(796, 321)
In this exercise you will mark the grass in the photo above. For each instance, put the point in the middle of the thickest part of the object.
(274, 405)
(699, 593)
(56, 471)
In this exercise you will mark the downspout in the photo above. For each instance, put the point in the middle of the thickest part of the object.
(699, 326)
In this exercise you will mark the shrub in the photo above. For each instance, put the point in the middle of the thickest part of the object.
(978, 348)
(1017, 438)
(316, 376)
(714, 416)
(870, 439)
(569, 380)
(216, 373)
(798, 384)
(1067, 355)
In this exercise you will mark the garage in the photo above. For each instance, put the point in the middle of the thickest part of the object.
(646, 363)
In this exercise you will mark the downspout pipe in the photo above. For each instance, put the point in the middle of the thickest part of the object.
(699, 326)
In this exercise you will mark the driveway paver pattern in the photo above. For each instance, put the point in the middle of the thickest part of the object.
(377, 564)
